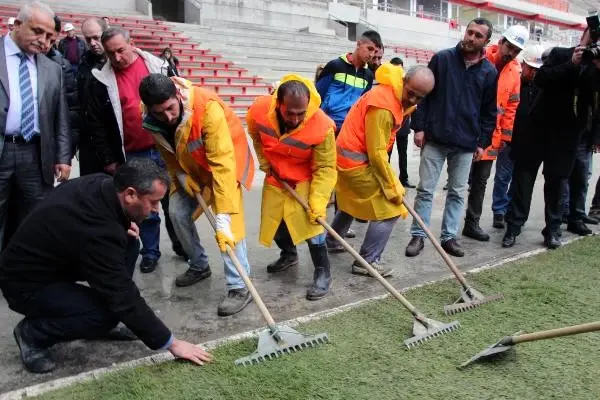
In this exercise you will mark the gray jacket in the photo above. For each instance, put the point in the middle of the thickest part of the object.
(55, 132)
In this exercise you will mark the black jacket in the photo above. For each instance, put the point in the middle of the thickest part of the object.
(70, 89)
(525, 141)
(557, 118)
(79, 233)
(460, 111)
(62, 47)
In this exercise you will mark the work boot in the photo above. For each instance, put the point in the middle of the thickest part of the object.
(558, 232)
(453, 248)
(552, 241)
(350, 234)
(510, 237)
(235, 301)
(178, 249)
(408, 185)
(358, 269)
(590, 220)
(474, 231)
(148, 265)
(284, 262)
(35, 358)
(579, 228)
(322, 274)
(498, 221)
(415, 246)
(192, 276)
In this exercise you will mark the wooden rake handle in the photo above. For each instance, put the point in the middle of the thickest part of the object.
(437, 246)
(231, 253)
(353, 252)
(554, 333)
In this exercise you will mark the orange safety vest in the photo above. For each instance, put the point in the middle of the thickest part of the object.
(290, 157)
(507, 100)
(351, 142)
(195, 145)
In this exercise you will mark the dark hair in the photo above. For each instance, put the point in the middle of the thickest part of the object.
(397, 61)
(140, 174)
(156, 89)
(165, 50)
(483, 21)
(374, 37)
(294, 88)
(57, 24)
(112, 32)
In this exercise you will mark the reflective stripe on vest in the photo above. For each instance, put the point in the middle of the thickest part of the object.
(195, 145)
(267, 131)
(353, 155)
(507, 132)
(492, 153)
(514, 98)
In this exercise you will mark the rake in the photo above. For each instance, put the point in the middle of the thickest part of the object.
(423, 328)
(276, 340)
(508, 342)
(469, 297)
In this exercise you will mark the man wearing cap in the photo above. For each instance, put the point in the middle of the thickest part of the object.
(71, 47)
(503, 57)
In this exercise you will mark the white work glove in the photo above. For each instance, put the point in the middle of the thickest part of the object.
(223, 235)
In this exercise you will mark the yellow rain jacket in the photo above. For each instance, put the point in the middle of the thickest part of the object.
(220, 187)
(367, 187)
(305, 158)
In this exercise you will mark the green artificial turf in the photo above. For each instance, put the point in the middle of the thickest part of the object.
(366, 358)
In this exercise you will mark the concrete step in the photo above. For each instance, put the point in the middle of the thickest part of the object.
(237, 89)
(199, 71)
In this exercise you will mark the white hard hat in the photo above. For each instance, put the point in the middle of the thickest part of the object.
(532, 55)
(11, 21)
(68, 27)
(517, 35)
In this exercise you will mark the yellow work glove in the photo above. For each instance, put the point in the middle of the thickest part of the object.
(314, 215)
(223, 232)
(400, 192)
(191, 187)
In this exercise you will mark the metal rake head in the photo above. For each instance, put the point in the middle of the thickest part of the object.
(425, 329)
(470, 299)
(282, 341)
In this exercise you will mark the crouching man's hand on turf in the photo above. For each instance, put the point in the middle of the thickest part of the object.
(190, 352)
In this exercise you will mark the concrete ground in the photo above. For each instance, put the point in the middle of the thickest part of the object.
(192, 312)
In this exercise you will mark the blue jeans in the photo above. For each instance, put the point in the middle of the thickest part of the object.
(502, 178)
(574, 191)
(150, 228)
(181, 208)
(433, 157)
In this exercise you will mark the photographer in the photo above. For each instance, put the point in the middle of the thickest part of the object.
(557, 128)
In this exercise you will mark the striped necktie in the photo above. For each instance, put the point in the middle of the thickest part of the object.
(27, 100)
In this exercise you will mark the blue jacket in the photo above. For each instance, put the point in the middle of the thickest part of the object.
(340, 85)
(461, 110)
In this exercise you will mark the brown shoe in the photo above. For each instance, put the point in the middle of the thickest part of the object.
(453, 248)
(415, 246)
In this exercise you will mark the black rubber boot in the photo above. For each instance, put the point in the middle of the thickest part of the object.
(322, 274)
(285, 261)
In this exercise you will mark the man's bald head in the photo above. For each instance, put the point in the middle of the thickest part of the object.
(92, 29)
(418, 82)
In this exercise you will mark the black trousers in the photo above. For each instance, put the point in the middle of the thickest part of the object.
(521, 191)
(316, 246)
(402, 147)
(21, 184)
(480, 173)
(65, 311)
(577, 185)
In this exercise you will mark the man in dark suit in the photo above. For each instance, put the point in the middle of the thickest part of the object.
(35, 143)
(558, 120)
(86, 231)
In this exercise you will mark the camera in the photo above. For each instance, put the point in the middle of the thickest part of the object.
(592, 52)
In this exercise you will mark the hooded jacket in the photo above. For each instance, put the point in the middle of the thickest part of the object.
(340, 84)
(367, 187)
(319, 156)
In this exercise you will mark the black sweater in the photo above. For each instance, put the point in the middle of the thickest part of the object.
(79, 233)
